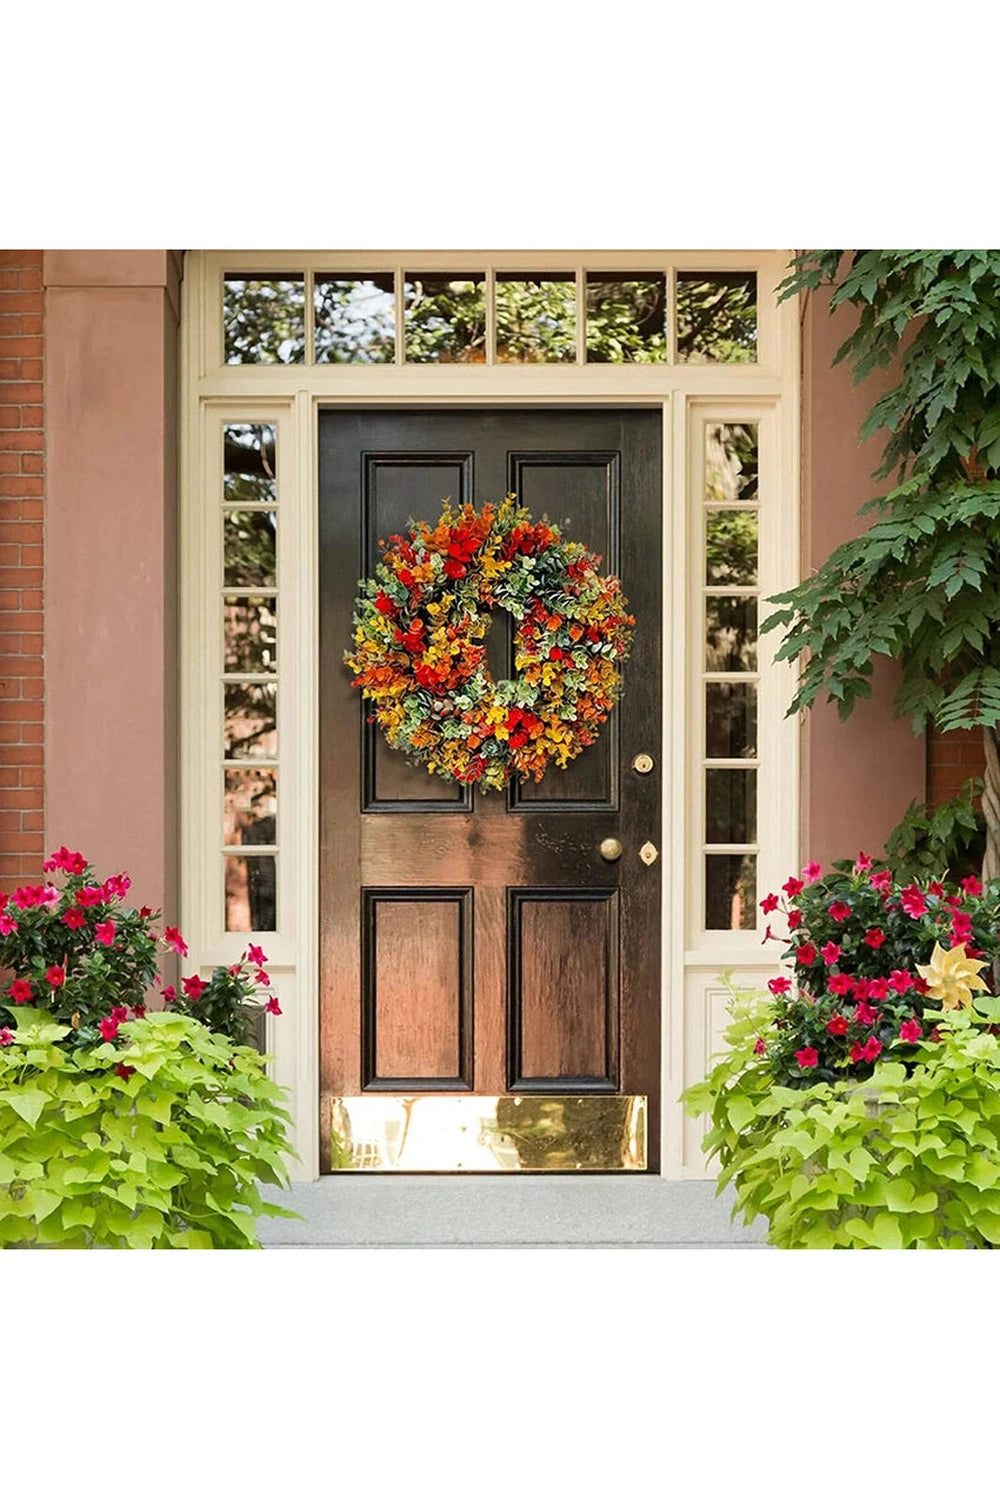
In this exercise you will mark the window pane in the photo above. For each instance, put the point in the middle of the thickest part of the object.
(730, 892)
(264, 318)
(731, 547)
(355, 319)
(716, 317)
(251, 630)
(626, 318)
(249, 549)
(731, 462)
(535, 318)
(730, 720)
(251, 806)
(730, 807)
(445, 318)
(251, 904)
(250, 720)
(249, 464)
(731, 634)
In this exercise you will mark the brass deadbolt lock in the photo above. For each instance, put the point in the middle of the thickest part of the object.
(643, 764)
(649, 854)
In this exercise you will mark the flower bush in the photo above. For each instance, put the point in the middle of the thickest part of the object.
(152, 1139)
(869, 955)
(77, 952)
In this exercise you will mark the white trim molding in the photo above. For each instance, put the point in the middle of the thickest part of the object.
(289, 397)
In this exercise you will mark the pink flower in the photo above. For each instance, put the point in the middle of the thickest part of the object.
(272, 1007)
(862, 863)
(880, 880)
(872, 1049)
(116, 885)
(910, 1031)
(807, 1058)
(839, 911)
(864, 1015)
(20, 992)
(56, 975)
(262, 978)
(173, 939)
(62, 859)
(108, 1029)
(89, 895)
(913, 902)
(857, 1052)
(971, 886)
(7, 925)
(811, 872)
(805, 954)
(961, 925)
(829, 953)
(861, 989)
(878, 989)
(105, 933)
(758, 1046)
(194, 987)
(901, 980)
(74, 918)
(792, 886)
(169, 993)
(48, 895)
(874, 937)
(6, 1036)
(840, 984)
(837, 1025)
(258, 956)
(769, 904)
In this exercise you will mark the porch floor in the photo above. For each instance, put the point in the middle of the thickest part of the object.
(354, 1211)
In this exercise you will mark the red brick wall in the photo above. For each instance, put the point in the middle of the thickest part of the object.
(22, 471)
(951, 760)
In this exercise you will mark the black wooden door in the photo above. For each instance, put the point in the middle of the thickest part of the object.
(478, 942)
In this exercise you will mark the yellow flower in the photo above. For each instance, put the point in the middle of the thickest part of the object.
(952, 976)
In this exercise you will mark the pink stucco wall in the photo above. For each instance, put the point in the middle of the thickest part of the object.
(111, 571)
(859, 776)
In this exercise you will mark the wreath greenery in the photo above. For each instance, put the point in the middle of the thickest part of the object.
(419, 653)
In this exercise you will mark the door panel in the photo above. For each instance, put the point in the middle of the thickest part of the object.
(477, 943)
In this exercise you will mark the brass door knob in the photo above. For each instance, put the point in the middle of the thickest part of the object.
(610, 849)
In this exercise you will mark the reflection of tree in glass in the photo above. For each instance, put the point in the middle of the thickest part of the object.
(731, 462)
(731, 547)
(626, 320)
(250, 719)
(250, 805)
(249, 547)
(535, 319)
(249, 464)
(731, 720)
(355, 320)
(730, 892)
(251, 635)
(717, 317)
(445, 319)
(731, 634)
(264, 320)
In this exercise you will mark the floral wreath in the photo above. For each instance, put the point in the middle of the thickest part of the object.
(419, 653)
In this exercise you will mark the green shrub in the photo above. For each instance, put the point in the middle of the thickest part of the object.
(908, 1160)
(153, 1140)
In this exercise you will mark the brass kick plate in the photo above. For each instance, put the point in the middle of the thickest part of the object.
(484, 1133)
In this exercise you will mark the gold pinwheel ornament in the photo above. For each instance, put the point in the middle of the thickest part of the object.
(952, 976)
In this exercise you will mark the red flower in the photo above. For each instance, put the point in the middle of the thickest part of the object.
(861, 989)
(912, 902)
(173, 939)
(105, 933)
(145, 911)
(840, 984)
(116, 885)
(138, 1011)
(839, 911)
(880, 880)
(119, 1013)
(862, 863)
(857, 1052)
(792, 886)
(453, 568)
(555, 654)
(7, 925)
(272, 1007)
(74, 918)
(256, 955)
(108, 1029)
(935, 888)
(837, 1025)
(169, 993)
(89, 895)
(872, 1048)
(830, 952)
(901, 980)
(794, 920)
(56, 975)
(769, 904)
(194, 987)
(807, 1058)
(779, 986)
(811, 872)
(864, 1014)
(971, 886)
(910, 1031)
(124, 1071)
(383, 605)
(806, 954)
(874, 937)
(758, 1047)
(878, 989)
(262, 978)
(20, 992)
(6, 1037)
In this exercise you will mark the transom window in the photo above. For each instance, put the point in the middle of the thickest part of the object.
(487, 315)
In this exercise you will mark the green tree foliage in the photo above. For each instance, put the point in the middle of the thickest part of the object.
(922, 585)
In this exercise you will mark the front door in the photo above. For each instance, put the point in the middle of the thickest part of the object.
(490, 979)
